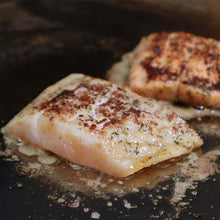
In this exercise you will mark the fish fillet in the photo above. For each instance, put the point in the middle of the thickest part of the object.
(178, 67)
(98, 124)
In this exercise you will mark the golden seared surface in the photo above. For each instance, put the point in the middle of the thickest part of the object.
(107, 105)
(178, 63)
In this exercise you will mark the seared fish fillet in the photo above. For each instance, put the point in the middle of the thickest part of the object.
(178, 66)
(95, 123)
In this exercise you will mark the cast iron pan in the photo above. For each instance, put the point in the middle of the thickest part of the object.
(85, 37)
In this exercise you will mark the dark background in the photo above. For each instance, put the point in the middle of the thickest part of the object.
(43, 41)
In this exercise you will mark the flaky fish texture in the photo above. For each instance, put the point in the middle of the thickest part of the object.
(95, 123)
(178, 67)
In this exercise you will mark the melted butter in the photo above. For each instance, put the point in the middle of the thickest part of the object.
(190, 112)
(41, 155)
(73, 177)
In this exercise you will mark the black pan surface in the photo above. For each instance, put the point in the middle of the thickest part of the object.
(43, 41)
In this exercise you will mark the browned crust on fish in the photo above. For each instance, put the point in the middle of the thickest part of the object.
(178, 66)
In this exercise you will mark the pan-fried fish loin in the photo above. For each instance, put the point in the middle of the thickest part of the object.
(98, 124)
(178, 67)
